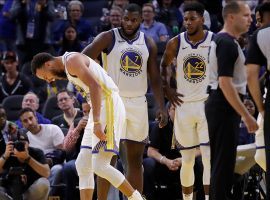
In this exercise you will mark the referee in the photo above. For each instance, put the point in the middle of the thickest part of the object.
(224, 107)
(259, 55)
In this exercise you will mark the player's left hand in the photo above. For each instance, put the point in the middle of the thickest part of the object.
(162, 118)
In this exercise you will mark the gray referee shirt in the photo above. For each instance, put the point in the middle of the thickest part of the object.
(226, 58)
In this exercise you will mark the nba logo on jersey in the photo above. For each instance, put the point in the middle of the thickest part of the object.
(131, 62)
(194, 68)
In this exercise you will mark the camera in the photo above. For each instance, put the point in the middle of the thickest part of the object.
(19, 145)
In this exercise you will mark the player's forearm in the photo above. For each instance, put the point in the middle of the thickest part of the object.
(95, 93)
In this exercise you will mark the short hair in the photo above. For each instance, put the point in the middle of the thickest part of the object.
(75, 2)
(25, 110)
(194, 6)
(232, 7)
(39, 60)
(149, 5)
(133, 7)
(263, 8)
(117, 8)
(257, 9)
(66, 91)
(31, 92)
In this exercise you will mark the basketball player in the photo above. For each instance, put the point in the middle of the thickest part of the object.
(128, 56)
(106, 120)
(191, 51)
(224, 107)
(259, 55)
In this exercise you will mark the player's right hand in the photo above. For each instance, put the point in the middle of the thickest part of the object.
(250, 123)
(173, 96)
(99, 132)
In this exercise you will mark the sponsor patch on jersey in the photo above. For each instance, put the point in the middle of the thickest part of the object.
(131, 63)
(194, 68)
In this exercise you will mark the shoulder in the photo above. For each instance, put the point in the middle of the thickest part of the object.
(50, 127)
(57, 118)
(36, 151)
(74, 57)
(106, 34)
(37, 154)
(173, 42)
(159, 24)
(224, 38)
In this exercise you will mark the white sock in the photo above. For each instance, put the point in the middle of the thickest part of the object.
(135, 196)
(207, 197)
(188, 196)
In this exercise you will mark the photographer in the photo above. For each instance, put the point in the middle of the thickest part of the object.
(24, 170)
(49, 138)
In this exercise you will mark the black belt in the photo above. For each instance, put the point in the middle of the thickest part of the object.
(218, 90)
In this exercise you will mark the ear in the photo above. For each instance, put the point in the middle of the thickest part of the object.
(48, 64)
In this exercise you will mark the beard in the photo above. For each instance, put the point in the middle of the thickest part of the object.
(60, 74)
(131, 34)
(194, 32)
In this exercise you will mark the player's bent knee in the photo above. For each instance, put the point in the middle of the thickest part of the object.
(83, 162)
(106, 171)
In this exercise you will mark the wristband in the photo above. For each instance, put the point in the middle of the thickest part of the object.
(27, 159)
(97, 122)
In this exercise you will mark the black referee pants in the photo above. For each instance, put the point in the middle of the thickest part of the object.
(223, 125)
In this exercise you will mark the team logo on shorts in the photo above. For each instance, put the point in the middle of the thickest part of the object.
(131, 63)
(194, 68)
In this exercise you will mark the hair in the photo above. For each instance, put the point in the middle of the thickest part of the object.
(258, 7)
(66, 45)
(66, 91)
(133, 7)
(117, 8)
(75, 2)
(31, 92)
(25, 110)
(233, 7)
(194, 6)
(263, 8)
(39, 60)
(149, 5)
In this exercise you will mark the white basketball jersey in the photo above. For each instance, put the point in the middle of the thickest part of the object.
(101, 75)
(192, 73)
(126, 63)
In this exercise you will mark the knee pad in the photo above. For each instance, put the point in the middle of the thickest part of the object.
(84, 169)
(102, 167)
(260, 158)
